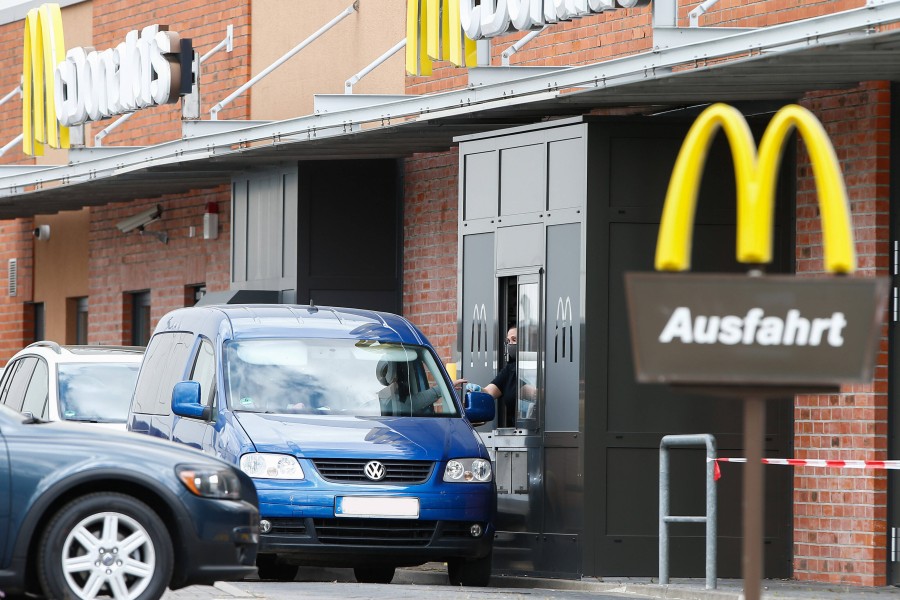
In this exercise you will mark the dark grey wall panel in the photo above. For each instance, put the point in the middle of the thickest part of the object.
(350, 234)
(481, 185)
(566, 183)
(523, 180)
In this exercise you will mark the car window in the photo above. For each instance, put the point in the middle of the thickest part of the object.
(204, 371)
(15, 395)
(335, 377)
(164, 365)
(96, 392)
(8, 373)
(36, 395)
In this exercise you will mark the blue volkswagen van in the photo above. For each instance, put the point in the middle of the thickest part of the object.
(347, 422)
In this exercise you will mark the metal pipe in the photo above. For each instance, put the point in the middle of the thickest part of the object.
(13, 92)
(227, 42)
(348, 85)
(504, 57)
(711, 517)
(4, 100)
(98, 139)
(214, 111)
(16, 140)
(700, 10)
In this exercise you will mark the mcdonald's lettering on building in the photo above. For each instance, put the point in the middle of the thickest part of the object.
(66, 89)
(447, 29)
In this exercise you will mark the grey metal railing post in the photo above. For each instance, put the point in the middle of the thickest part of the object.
(703, 439)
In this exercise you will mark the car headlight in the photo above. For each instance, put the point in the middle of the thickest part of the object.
(262, 465)
(468, 470)
(210, 482)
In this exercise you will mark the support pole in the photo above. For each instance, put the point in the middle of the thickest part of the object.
(754, 494)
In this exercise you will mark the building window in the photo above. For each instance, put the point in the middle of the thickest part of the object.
(140, 318)
(77, 321)
(193, 293)
(38, 331)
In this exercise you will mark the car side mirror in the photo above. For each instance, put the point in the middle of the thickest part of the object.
(479, 407)
(186, 401)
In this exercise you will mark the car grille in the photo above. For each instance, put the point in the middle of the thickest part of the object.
(456, 529)
(287, 526)
(375, 532)
(353, 470)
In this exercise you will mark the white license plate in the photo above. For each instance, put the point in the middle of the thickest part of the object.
(379, 507)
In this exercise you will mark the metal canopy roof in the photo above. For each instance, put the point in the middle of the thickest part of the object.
(778, 63)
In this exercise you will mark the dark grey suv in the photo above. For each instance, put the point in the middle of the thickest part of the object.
(84, 515)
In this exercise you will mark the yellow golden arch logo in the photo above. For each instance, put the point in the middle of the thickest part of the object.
(755, 176)
(433, 32)
(44, 49)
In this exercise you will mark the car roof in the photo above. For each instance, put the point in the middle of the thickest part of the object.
(83, 353)
(283, 320)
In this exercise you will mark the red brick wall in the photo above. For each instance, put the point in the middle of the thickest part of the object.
(16, 317)
(121, 263)
(840, 516)
(430, 248)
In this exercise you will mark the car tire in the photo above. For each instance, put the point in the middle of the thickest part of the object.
(374, 574)
(269, 567)
(81, 553)
(474, 573)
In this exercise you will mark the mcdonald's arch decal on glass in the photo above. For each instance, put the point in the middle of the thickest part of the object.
(755, 330)
(563, 336)
(479, 339)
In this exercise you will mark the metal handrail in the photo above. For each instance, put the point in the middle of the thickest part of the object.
(703, 439)
(504, 57)
(214, 111)
(348, 85)
(698, 11)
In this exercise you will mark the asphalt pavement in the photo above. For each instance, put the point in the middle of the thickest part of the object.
(321, 584)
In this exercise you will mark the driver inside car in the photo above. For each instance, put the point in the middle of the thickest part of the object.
(395, 398)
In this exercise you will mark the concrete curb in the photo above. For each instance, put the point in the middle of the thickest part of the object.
(644, 590)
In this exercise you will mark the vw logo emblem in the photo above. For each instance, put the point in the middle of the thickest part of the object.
(374, 470)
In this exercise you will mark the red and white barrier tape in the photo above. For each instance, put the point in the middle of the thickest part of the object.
(800, 462)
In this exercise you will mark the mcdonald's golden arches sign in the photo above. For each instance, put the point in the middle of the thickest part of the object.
(731, 329)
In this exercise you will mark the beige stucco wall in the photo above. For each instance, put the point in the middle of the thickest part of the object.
(323, 66)
(61, 268)
(78, 30)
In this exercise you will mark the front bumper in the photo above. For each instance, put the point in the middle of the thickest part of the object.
(218, 544)
(345, 542)
(305, 529)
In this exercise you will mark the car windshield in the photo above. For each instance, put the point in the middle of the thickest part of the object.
(96, 392)
(360, 378)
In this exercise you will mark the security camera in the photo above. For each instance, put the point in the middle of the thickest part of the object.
(140, 220)
(42, 233)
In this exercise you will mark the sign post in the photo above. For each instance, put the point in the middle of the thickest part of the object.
(755, 336)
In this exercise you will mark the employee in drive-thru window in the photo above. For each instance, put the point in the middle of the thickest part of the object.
(505, 386)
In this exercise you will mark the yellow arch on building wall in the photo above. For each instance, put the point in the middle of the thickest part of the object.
(44, 49)
(434, 32)
(755, 177)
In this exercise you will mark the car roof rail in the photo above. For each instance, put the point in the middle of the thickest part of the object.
(46, 344)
